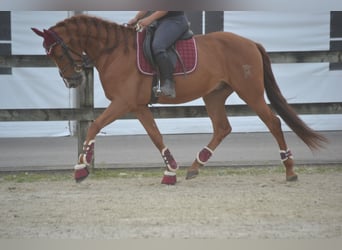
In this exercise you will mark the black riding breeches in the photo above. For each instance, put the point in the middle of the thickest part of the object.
(167, 32)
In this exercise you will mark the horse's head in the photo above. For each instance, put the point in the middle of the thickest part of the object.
(70, 61)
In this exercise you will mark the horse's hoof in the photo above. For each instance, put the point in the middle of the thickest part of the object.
(81, 172)
(292, 178)
(169, 178)
(191, 174)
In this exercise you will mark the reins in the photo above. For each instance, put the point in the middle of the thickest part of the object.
(84, 59)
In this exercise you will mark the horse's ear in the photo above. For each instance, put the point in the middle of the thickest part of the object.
(38, 32)
(48, 33)
(49, 37)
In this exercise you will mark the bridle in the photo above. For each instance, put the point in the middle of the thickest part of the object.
(78, 65)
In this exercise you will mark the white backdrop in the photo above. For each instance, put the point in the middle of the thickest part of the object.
(277, 31)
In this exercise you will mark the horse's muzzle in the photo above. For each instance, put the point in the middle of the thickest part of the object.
(75, 80)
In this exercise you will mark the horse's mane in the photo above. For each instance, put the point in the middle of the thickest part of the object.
(85, 18)
(115, 32)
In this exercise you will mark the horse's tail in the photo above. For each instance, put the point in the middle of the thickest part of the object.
(311, 138)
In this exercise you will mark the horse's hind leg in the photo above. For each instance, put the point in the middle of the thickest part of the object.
(215, 105)
(145, 117)
(273, 123)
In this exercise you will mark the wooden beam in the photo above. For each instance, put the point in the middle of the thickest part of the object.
(89, 114)
(39, 61)
(306, 57)
(85, 100)
(26, 61)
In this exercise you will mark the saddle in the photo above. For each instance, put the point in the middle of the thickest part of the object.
(183, 53)
(172, 51)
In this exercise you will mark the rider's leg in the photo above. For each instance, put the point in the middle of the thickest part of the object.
(167, 32)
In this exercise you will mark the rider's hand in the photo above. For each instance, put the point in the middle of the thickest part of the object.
(133, 21)
(143, 23)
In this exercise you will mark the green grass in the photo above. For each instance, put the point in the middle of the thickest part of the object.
(101, 174)
(21, 177)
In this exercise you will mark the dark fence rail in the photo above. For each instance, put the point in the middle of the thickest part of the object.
(42, 61)
(158, 112)
(86, 111)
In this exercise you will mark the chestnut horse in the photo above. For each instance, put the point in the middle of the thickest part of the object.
(227, 63)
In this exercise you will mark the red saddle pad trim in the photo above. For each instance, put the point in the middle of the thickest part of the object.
(186, 48)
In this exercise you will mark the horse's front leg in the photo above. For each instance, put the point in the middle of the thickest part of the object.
(214, 103)
(111, 113)
(145, 116)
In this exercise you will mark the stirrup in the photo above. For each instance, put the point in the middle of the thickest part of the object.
(170, 95)
(157, 89)
(168, 88)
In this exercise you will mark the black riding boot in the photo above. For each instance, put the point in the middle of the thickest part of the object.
(166, 75)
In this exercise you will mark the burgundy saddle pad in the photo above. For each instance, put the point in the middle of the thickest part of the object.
(186, 49)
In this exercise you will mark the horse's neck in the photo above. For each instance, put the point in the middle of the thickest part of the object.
(97, 39)
(119, 48)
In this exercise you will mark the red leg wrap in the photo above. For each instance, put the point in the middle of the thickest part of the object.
(169, 178)
(204, 155)
(81, 172)
(170, 162)
(88, 152)
(284, 155)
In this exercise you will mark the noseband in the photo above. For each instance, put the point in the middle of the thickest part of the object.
(78, 65)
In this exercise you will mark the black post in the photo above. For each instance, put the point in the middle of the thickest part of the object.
(85, 101)
(195, 19)
(213, 21)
